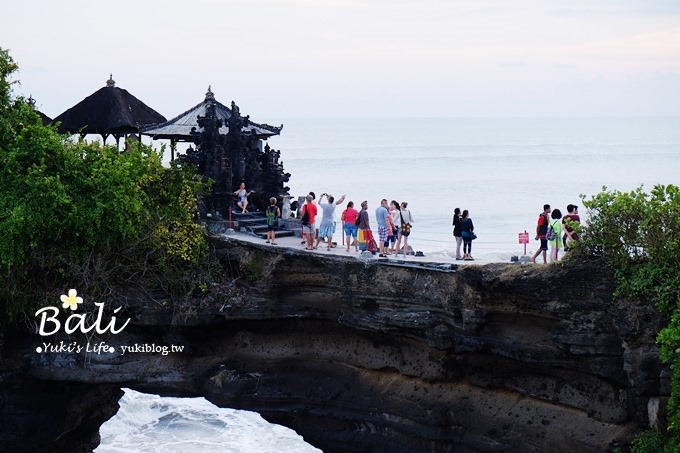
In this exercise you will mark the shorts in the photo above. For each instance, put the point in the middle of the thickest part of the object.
(382, 234)
(271, 228)
(392, 238)
(544, 244)
(307, 229)
(351, 230)
(326, 229)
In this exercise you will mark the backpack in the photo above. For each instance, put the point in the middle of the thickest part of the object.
(550, 234)
(271, 215)
(305, 215)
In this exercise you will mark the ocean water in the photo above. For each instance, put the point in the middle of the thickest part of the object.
(501, 170)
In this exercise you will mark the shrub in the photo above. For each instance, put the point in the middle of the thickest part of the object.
(638, 234)
(86, 214)
(648, 442)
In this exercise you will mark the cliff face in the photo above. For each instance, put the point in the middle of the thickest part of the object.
(364, 357)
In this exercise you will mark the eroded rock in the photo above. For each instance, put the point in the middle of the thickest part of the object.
(367, 356)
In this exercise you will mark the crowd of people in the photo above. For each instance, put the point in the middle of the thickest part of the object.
(394, 220)
(556, 231)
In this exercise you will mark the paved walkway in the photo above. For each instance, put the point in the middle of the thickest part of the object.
(296, 243)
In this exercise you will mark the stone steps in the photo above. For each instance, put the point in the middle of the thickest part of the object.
(256, 223)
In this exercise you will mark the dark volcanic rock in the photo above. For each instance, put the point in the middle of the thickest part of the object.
(366, 357)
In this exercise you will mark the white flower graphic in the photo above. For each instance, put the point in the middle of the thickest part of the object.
(72, 300)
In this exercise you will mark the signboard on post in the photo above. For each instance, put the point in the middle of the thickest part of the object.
(524, 239)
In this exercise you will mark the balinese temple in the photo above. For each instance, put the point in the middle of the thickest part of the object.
(228, 150)
(108, 111)
(179, 129)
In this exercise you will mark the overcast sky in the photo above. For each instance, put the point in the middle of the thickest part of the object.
(349, 58)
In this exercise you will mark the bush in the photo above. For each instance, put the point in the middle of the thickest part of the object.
(638, 234)
(85, 214)
(648, 442)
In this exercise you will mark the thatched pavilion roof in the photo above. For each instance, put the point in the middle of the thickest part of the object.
(108, 111)
(179, 128)
(44, 118)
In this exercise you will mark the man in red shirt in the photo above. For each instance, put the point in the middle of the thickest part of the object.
(541, 231)
(308, 213)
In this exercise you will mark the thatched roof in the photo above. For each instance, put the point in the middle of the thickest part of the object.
(108, 111)
(45, 119)
(179, 128)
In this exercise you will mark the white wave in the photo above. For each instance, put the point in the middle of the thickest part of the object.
(153, 424)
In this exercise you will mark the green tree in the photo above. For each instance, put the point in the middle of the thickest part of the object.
(86, 214)
(638, 234)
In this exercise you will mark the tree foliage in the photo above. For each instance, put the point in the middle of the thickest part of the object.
(638, 234)
(86, 214)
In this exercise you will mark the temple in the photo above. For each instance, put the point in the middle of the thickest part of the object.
(229, 150)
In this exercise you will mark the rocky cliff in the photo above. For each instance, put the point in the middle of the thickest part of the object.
(358, 356)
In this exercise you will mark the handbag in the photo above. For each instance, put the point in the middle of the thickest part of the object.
(405, 227)
(473, 236)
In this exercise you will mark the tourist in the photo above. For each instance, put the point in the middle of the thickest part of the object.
(381, 216)
(395, 215)
(299, 214)
(327, 225)
(570, 225)
(349, 225)
(467, 229)
(364, 233)
(406, 220)
(456, 232)
(242, 197)
(556, 240)
(273, 213)
(308, 215)
(541, 230)
(390, 229)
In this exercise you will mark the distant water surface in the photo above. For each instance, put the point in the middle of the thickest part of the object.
(502, 170)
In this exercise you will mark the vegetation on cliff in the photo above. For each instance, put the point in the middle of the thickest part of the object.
(85, 215)
(638, 234)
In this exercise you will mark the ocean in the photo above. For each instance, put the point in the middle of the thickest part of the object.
(502, 170)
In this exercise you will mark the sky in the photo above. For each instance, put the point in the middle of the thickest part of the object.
(355, 58)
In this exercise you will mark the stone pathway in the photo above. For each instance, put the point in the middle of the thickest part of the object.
(296, 243)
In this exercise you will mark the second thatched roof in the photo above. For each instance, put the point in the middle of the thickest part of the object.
(179, 128)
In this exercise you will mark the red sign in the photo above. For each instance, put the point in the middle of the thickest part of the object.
(524, 238)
